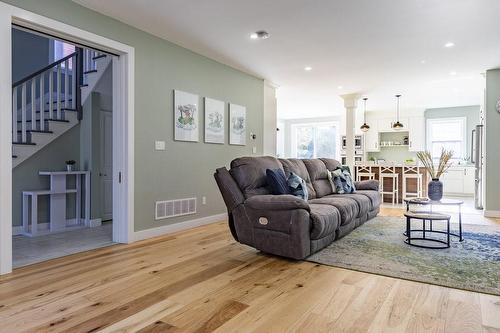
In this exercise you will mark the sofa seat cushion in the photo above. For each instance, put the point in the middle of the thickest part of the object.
(374, 197)
(325, 220)
(364, 203)
(347, 207)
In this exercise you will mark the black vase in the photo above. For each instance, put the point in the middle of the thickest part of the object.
(435, 189)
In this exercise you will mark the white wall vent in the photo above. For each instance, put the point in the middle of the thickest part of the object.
(173, 208)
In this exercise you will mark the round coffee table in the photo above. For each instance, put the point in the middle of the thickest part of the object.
(442, 202)
(427, 216)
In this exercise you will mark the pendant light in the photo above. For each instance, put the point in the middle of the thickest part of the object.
(397, 125)
(365, 126)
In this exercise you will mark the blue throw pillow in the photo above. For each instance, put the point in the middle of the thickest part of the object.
(298, 186)
(277, 181)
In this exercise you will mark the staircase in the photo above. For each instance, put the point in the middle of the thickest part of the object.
(49, 102)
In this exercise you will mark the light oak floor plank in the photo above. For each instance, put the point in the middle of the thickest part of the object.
(202, 280)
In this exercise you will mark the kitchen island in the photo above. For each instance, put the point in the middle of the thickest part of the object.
(411, 183)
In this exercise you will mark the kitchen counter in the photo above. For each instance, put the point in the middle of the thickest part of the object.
(411, 184)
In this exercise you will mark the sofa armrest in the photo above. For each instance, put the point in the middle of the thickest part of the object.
(276, 202)
(371, 184)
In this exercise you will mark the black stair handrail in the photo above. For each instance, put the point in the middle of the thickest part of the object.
(46, 68)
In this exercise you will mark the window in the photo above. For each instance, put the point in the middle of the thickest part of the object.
(447, 133)
(314, 140)
(61, 50)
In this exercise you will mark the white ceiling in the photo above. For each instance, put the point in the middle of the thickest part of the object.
(371, 47)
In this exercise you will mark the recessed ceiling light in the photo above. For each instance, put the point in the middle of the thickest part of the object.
(449, 44)
(423, 62)
(453, 73)
(308, 68)
(340, 87)
(261, 34)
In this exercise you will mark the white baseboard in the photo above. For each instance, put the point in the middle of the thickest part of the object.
(492, 213)
(168, 229)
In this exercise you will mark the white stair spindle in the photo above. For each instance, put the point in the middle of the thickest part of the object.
(51, 93)
(14, 115)
(73, 83)
(42, 102)
(58, 90)
(23, 113)
(66, 84)
(33, 104)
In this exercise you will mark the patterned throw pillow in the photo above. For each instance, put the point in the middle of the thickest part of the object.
(331, 180)
(297, 186)
(277, 181)
(343, 180)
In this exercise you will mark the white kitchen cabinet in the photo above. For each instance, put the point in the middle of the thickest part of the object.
(459, 181)
(469, 180)
(385, 124)
(372, 137)
(416, 129)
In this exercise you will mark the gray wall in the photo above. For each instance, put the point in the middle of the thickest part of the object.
(492, 135)
(472, 113)
(52, 157)
(185, 169)
(30, 53)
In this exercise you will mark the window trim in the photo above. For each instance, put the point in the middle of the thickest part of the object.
(463, 121)
(293, 132)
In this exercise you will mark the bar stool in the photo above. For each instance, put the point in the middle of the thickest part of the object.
(389, 171)
(412, 172)
(363, 171)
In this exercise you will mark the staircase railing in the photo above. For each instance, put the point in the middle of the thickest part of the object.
(55, 85)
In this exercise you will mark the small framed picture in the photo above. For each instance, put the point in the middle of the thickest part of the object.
(185, 116)
(237, 124)
(214, 121)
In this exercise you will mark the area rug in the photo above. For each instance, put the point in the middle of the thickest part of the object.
(378, 247)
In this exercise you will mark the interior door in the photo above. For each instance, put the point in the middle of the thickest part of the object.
(106, 168)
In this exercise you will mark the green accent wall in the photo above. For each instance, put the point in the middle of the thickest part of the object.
(184, 169)
(492, 135)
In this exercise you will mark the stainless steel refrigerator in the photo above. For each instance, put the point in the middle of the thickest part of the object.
(477, 159)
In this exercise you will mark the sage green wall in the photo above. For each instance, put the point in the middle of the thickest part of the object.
(472, 113)
(51, 157)
(184, 169)
(492, 138)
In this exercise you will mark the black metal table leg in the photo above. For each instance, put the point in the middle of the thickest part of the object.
(408, 234)
(423, 228)
(448, 233)
(460, 222)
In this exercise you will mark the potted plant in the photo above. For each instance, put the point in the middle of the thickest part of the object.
(69, 165)
(435, 186)
(371, 160)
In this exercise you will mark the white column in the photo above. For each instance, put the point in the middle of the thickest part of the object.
(350, 104)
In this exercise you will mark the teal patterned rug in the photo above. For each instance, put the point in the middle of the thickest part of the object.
(378, 247)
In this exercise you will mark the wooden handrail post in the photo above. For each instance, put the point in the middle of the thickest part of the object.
(79, 82)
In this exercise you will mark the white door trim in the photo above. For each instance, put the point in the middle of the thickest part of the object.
(123, 122)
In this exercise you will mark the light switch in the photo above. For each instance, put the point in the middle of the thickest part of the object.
(159, 145)
(254, 150)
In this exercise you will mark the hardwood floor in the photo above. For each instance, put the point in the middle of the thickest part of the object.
(201, 280)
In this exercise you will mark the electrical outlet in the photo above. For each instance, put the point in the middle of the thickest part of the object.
(203, 200)
(159, 145)
(254, 150)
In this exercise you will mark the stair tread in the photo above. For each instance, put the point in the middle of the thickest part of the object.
(99, 56)
(14, 156)
(36, 131)
(84, 85)
(62, 101)
(24, 143)
(90, 71)
(59, 120)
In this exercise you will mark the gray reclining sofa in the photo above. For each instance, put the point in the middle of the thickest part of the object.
(286, 225)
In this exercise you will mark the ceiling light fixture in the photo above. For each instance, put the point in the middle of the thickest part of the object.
(308, 68)
(453, 73)
(423, 62)
(340, 87)
(397, 125)
(365, 126)
(261, 34)
(449, 44)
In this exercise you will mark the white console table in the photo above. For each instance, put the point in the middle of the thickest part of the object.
(58, 195)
